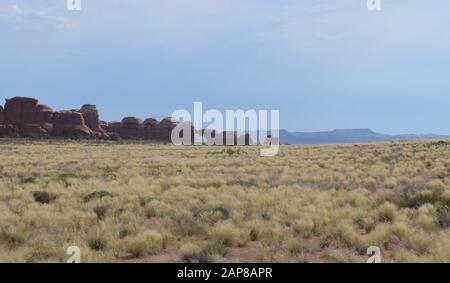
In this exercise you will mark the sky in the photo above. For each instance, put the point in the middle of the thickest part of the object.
(323, 64)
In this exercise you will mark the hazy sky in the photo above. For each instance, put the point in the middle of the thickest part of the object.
(324, 64)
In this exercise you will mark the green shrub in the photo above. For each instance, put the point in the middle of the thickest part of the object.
(97, 243)
(100, 211)
(43, 197)
(124, 233)
(254, 234)
(150, 212)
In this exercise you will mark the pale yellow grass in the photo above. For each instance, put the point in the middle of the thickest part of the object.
(132, 201)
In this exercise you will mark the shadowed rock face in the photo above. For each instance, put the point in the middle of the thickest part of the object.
(21, 113)
(150, 122)
(32, 130)
(20, 110)
(132, 127)
(165, 128)
(150, 130)
(3, 131)
(2, 115)
(70, 123)
(90, 115)
(6, 130)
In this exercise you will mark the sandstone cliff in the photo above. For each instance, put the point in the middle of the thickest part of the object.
(24, 117)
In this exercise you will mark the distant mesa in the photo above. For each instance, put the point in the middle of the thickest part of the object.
(348, 136)
(24, 117)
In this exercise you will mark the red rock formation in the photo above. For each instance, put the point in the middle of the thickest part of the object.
(44, 114)
(32, 130)
(233, 138)
(43, 107)
(103, 124)
(20, 110)
(130, 127)
(48, 127)
(24, 116)
(112, 126)
(165, 128)
(6, 130)
(3, 131)
(13, 111)
(131, 122)
(150, 122)
(91, 117)
(151, 131)
(2, 115)
(70, 123)
(3, 127)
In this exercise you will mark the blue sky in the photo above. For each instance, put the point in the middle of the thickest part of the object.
(324, 64)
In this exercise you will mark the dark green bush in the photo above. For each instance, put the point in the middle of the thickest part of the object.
(150, 212)
(100, 211)
(97, 243)
(43, 197)
(124, 233)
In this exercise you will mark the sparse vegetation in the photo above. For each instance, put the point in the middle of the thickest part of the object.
(137, 201)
